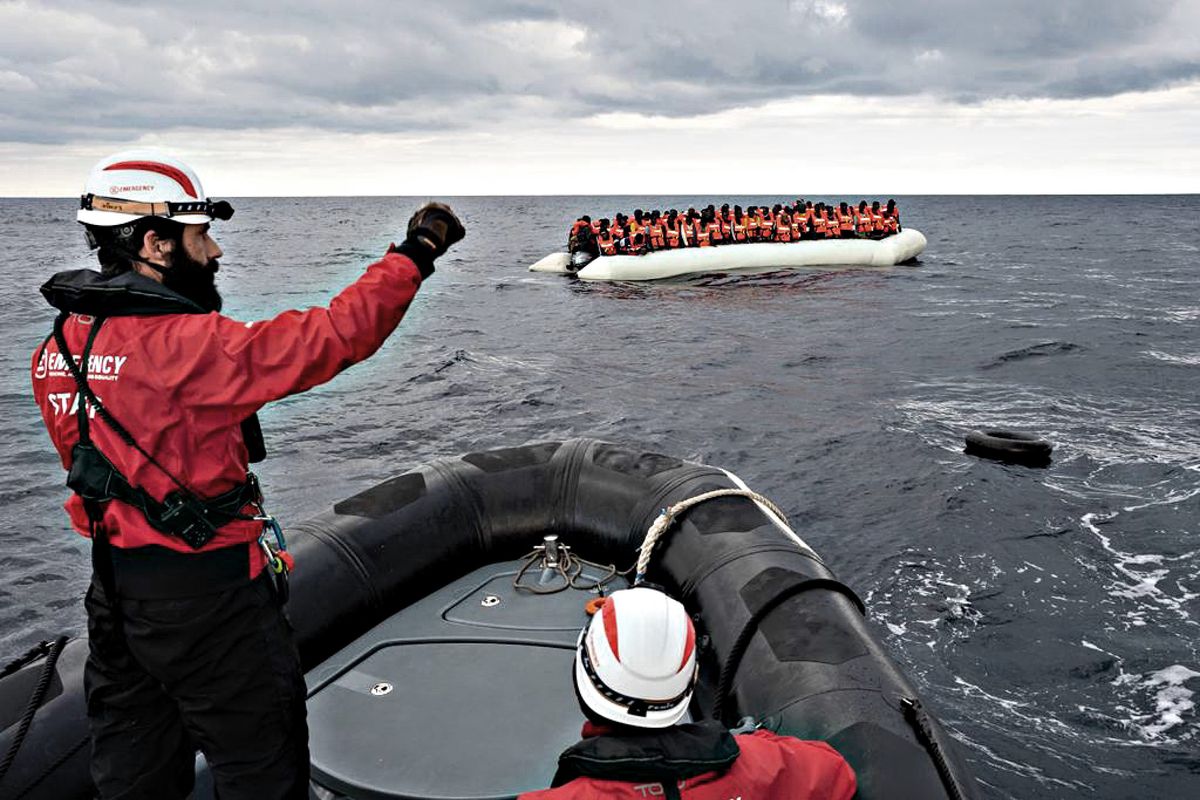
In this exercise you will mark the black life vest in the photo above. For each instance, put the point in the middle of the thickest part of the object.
(664, 756)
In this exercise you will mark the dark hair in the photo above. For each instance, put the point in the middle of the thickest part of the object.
(118, 245)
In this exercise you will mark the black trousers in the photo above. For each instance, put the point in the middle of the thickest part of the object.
(219, 673)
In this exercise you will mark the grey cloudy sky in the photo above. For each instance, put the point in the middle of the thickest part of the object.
(511, 96)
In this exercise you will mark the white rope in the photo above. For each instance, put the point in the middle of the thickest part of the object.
(668, 515)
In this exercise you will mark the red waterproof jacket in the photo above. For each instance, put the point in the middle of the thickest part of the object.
(182, 384)
(769, 767)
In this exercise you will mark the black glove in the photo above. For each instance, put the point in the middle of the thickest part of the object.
(431, 231)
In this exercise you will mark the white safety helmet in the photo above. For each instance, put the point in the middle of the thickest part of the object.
(636, 660)
(134, 184)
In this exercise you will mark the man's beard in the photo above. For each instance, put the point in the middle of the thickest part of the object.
(194, 280)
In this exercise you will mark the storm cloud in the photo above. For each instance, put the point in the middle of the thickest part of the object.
(72, 71)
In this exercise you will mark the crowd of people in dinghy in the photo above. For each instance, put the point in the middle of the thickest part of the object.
(657, 230)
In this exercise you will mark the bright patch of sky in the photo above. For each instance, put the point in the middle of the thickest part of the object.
(533, 97)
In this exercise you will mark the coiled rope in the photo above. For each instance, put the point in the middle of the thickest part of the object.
(669, 515)
(569, 567)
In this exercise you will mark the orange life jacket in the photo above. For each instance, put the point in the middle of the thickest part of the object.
(864, 221)
(656, 236)
(752, 227)
(766, 229)
(831, 226)
(739, 230)
(673, 234)
(783, 231)
(607, 246)
(799, 225)
(715, 232)
(703, 235)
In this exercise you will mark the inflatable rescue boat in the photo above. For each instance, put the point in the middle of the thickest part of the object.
(898, 248)
(437, 615)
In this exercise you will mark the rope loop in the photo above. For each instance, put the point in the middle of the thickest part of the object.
(668, 515)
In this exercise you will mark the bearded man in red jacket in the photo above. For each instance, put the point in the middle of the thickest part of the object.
(635, 669)
(150, 395)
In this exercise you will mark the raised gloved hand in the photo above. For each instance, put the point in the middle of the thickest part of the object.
(431, 232)
(435, 227)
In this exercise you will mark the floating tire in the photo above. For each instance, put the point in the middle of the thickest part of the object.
(1011, 446)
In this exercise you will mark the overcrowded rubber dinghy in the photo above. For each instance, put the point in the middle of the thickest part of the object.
(437, 615)
(898, 248)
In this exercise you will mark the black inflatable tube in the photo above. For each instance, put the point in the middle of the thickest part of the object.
(1014, 447)
(811, 667)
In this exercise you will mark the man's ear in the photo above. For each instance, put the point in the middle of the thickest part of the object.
(157, 248)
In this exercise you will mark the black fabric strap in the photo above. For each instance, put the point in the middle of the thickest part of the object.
(81, 406)
(86, 391)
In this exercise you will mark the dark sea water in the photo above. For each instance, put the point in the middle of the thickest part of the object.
(1050, 617)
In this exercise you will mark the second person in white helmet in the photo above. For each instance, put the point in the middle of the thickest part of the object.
(635, 670)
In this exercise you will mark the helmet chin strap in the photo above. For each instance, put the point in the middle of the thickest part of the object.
(159, 268)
